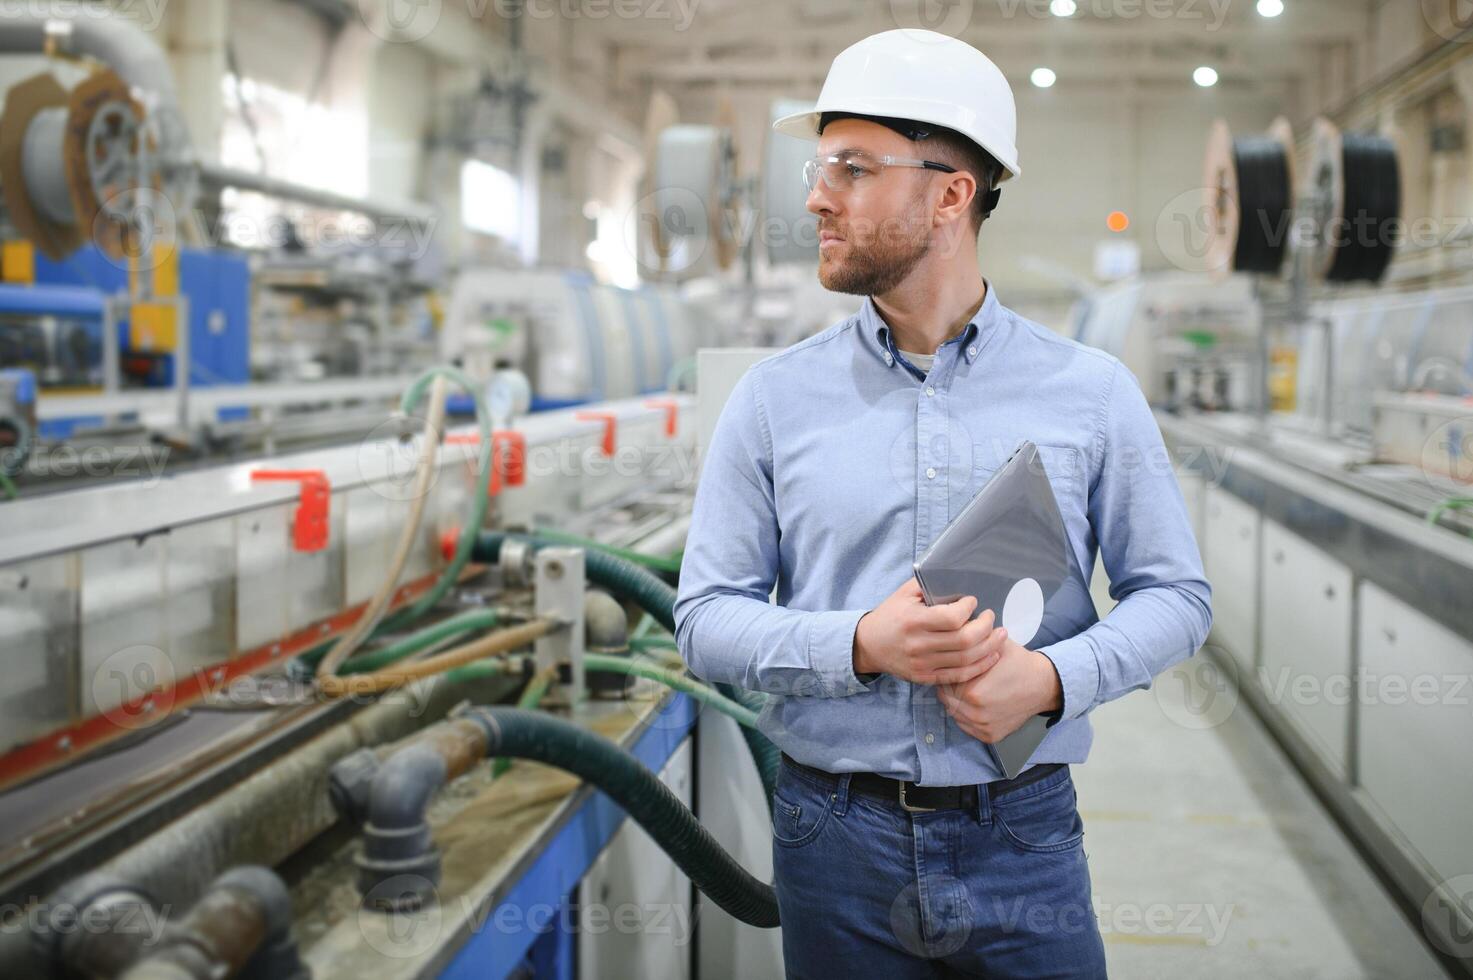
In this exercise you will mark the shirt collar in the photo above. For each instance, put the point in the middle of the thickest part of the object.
(872, 325)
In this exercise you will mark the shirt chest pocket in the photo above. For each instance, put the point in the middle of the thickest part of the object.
(1062, 464)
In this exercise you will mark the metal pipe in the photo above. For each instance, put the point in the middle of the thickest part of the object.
(501, 641)
(350, 781)
(240, 927)
(117, 915)
(380, 211)
(101, 925)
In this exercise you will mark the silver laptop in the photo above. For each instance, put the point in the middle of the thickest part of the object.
(1008, 547)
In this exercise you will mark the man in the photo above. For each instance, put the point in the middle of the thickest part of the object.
(900, 849)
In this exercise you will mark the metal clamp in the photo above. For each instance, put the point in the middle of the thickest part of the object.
(558, 585)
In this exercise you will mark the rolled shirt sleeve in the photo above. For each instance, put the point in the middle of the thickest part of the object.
(725, 627)
(1150, 554)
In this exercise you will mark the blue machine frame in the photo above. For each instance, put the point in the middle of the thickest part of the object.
(217, 285)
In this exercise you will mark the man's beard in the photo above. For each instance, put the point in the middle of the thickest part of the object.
(876, 268)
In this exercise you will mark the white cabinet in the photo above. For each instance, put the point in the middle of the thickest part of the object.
(1230, 555)
(1416, 724)
(634, 904)
(733, 810)
(1304, 669)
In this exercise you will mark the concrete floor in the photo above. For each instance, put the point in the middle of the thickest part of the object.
(1210, 857)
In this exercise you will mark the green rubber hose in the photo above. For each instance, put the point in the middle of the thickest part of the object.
(491, 667)
(608, 663)
(659, 563)
(541, 737)
(658, 599)
(465, 622)
(643, 627)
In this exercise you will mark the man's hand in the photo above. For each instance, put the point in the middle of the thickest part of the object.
(926, 644)
(992, 706)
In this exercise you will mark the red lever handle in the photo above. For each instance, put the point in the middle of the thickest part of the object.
(310, 524)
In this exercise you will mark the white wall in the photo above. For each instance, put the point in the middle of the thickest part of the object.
(1085, 154)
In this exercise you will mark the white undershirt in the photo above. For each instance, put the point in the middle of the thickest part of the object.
(922, 361)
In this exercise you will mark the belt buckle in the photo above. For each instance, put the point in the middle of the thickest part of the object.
(908, 807)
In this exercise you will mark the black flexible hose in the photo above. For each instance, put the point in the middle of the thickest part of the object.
(625, 578)
(535, 735)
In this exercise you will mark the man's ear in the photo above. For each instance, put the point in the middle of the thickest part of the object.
(956, 199)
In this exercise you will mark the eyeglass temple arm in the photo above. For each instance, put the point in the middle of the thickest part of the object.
(993, 195)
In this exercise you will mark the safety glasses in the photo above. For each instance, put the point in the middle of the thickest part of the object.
(841, 170)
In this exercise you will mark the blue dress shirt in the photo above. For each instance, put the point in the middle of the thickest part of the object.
(833, 466)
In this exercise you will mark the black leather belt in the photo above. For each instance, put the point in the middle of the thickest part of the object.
(924, 799)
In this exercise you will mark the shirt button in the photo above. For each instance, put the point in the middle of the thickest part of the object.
(972, 351)
(930, 390)
(930, 472)
(930, 738)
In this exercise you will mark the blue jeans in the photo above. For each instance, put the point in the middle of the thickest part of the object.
(867, 889)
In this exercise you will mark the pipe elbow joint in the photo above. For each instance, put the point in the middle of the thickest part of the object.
(400, 865)
(350, 783)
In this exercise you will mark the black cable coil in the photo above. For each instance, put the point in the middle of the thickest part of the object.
(1362, 240)
(1265, 204)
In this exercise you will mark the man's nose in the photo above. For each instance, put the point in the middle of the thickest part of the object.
(820, 199)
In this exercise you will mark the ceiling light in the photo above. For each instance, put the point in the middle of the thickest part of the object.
(1205, 76)
(1043, 77)
(1063, 8)
(1270, 8)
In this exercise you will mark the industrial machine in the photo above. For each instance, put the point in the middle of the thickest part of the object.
(220, 674)
(1190, 344)
(576, 339)
(1320, 424)
(113, 281)
(233, 572)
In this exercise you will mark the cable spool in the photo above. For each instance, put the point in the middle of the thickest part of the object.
(1249, 187)
(79, 165)
(659, 115)
(686, 216)
(1356, 192)
(110, 155)
(50, 222)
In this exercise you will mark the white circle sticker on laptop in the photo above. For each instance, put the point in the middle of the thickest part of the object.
(1022, 611)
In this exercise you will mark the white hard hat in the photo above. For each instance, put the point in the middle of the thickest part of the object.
(925, 77)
